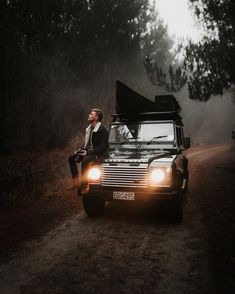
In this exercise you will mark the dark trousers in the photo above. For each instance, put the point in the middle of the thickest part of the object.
(74, 160)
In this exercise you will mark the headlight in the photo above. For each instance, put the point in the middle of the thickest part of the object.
(160, 176)
(94, 174)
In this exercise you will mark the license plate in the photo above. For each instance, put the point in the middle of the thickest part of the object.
(123, 195)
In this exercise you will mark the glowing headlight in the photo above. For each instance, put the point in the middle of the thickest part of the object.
(157, 175)
(94, 174)
(160, 176)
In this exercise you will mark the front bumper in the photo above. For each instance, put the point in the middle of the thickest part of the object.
(106, 193)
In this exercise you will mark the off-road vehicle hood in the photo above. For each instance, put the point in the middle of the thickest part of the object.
(139, 156)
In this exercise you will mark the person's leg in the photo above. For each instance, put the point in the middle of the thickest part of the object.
(73, 160)
(73, 165)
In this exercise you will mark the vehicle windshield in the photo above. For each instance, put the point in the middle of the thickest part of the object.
(144, 132)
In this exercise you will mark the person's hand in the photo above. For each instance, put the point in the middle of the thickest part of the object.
(77, 151)
(83, 153)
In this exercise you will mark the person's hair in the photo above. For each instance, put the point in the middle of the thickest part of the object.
(99, 113)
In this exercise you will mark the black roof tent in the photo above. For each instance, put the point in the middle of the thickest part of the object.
(130, 102)
(132, 106)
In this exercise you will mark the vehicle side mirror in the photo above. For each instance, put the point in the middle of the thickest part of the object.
(187, 142)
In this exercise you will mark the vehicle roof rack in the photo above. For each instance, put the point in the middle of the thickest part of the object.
(131, 106)
(166, 115)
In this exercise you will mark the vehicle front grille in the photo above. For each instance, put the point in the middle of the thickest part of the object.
(124, 176)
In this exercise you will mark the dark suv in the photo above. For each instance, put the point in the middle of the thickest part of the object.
(146, 159)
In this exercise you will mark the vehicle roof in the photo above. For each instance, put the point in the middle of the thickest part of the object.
(148, 116)
(145, 121)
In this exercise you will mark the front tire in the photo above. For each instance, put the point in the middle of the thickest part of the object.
(175, 209)
(93, 206)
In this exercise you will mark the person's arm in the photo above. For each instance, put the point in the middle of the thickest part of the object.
(79, 148)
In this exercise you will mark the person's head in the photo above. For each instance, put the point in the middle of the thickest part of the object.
(96, 115)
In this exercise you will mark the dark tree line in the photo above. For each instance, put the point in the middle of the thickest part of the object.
(212, 61)
(51, 50)
(50, 46)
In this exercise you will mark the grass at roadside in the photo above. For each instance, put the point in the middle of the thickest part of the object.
(33, 195)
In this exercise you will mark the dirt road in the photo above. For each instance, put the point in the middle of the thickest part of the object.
(133, 249)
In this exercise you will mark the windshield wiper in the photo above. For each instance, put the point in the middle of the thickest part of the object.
(129, 139)
(155, 138)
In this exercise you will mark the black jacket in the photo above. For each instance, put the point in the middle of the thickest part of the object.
(99, 140)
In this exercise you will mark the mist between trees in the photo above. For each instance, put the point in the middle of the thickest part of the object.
(59, 59)
(208, 122)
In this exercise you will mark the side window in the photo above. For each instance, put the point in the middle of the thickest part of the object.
(179, 136)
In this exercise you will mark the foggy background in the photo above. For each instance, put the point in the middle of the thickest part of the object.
(55, 120)
(61, 59)
(208, 122)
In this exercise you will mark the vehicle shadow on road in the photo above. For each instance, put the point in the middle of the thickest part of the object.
(138, 212)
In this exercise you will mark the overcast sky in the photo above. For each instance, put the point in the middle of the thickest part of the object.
(179, 18)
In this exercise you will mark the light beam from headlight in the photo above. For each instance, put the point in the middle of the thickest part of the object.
(94, 174)
(157, 175)
(160, 176)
